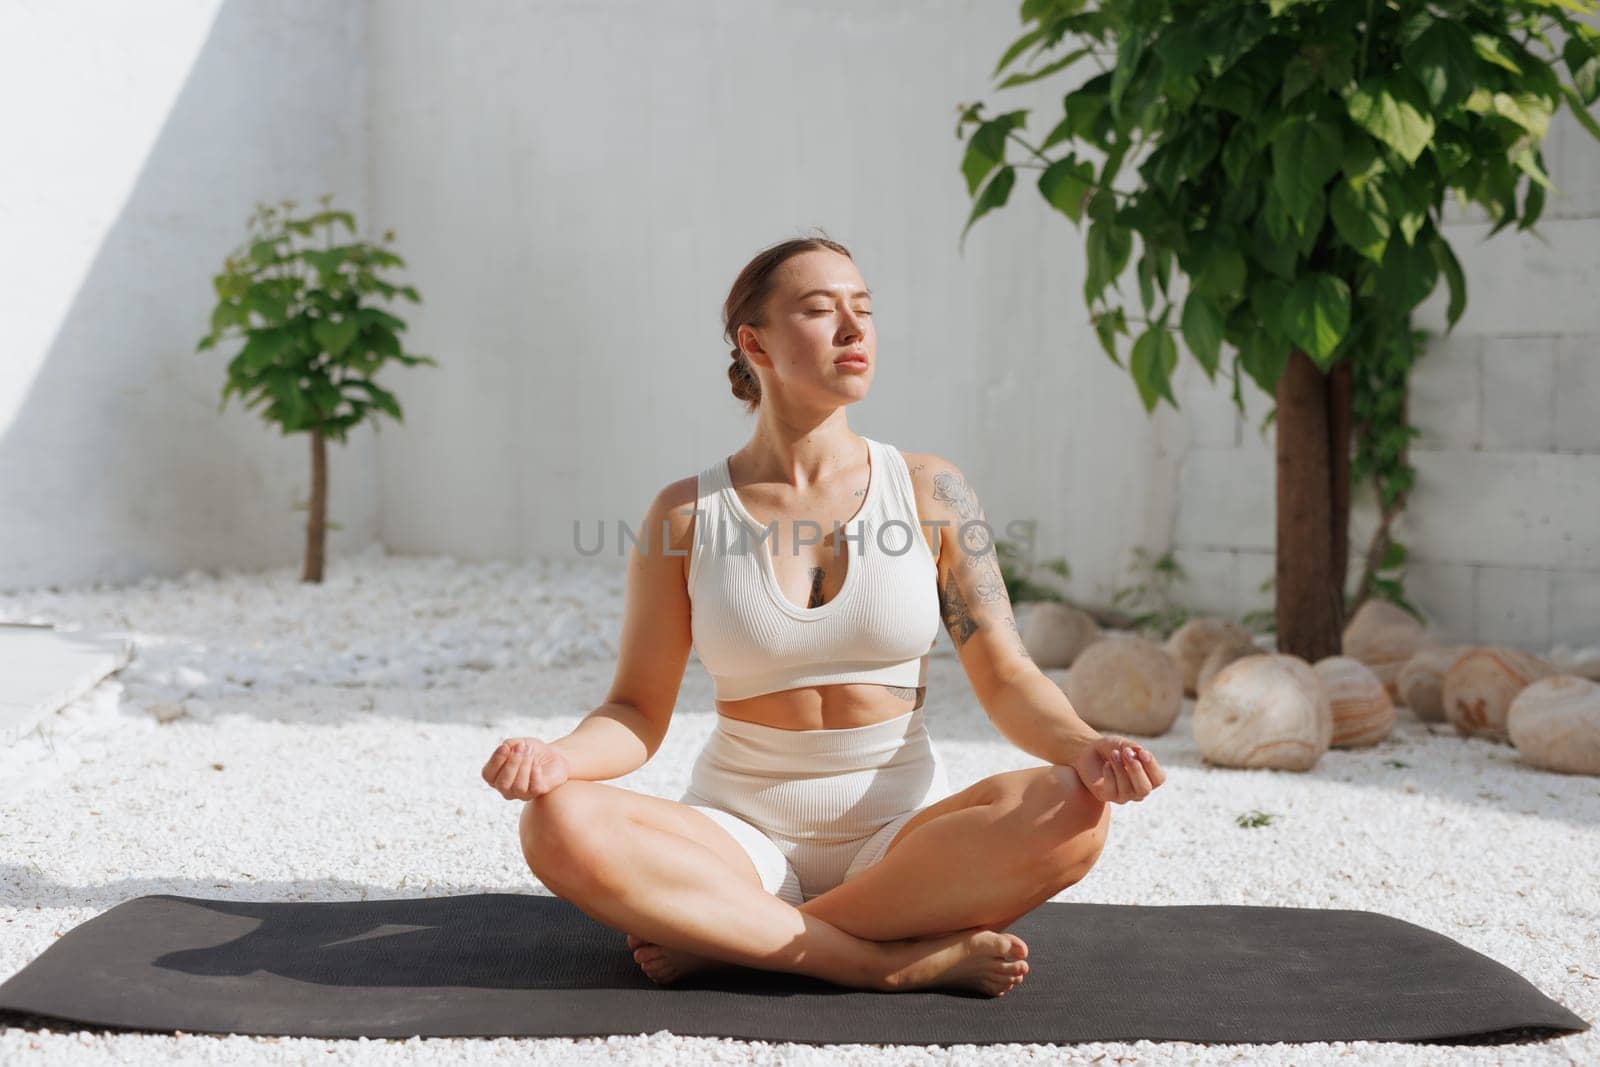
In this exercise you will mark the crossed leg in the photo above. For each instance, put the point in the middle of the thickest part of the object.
(1028, 834)
(1021, 837)
(662, 870)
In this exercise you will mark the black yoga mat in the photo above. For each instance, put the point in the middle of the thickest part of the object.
(507, 964)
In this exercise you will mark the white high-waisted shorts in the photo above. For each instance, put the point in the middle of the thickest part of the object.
(814, 808)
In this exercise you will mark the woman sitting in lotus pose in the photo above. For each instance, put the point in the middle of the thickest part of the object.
(819, 834)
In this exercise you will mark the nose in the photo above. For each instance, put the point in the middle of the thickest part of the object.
(854, 324)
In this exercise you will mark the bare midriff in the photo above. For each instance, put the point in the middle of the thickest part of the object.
(824, 707)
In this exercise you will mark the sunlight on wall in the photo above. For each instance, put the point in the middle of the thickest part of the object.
(86, 93)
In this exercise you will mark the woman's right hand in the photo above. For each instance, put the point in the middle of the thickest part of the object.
(525, 767)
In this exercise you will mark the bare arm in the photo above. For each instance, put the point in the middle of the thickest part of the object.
(1026, 707)
(619, 736)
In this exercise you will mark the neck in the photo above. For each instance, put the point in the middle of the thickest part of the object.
(801, 453)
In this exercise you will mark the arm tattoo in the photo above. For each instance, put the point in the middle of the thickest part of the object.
(976, 539)
(1022, 649)
(953, 606)
(980, 564)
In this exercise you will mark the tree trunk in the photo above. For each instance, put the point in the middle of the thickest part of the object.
(317, 510)
(1313, 506)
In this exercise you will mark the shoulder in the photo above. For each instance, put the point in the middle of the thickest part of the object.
(671, 510)
(945, 500)
(941, 487)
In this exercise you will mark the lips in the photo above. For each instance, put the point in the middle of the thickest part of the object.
(853, 357)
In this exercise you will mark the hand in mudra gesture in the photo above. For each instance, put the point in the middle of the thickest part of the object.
(525, 767)
(1117, 770)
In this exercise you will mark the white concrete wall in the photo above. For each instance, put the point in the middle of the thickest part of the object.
(138, 138)
(577, 186)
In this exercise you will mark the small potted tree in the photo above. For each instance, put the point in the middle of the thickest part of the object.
(312, 339)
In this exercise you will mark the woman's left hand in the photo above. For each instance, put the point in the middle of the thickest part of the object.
(1116, 770)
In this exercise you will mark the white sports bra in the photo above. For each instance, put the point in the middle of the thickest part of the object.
(879, 627)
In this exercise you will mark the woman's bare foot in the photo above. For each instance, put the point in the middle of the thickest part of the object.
(664, 965)
(977, 958)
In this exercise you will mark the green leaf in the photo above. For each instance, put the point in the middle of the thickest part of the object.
(1263, 357)
(262, 349)
(1361, 159)
(1182, 51)
(1316, 315)
(1146, 272)
(1202, 325)
(1489, 47)
(381, 341)
(335, 337)
(1182, 157)
(1305, 154)
(326, 396)
(1084, 114)
(1361, 217)
(1276, 255)
(1017, 48)
(1442, 61)
(1394, 109)
(987, 148)
(1408, 274)
(1107, 325)
(225, 315)
(994, 195)
(1533, 204)
(1221, 269)
(1045, 71)
(1109, 246)
(1238, 153)
(1526, 162)
(1275, 214)
(1445, 258)
(1154, 358)
(264, 252)
(1298, 76)
(1529, 111)
(1130, 51)
(1583, 61)
(1065, 183)
(1268, 297)
(381, 397)
(369, 316)
(1581, 112)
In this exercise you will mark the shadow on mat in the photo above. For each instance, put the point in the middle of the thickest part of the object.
(436, 942)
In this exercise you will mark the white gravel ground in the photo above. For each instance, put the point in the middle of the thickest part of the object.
(276, 740)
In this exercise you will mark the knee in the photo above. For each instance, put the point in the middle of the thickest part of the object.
(1072, 822)
(550, 829)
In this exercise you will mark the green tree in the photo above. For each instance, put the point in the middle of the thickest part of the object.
(1299, 157)
(311, 342)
